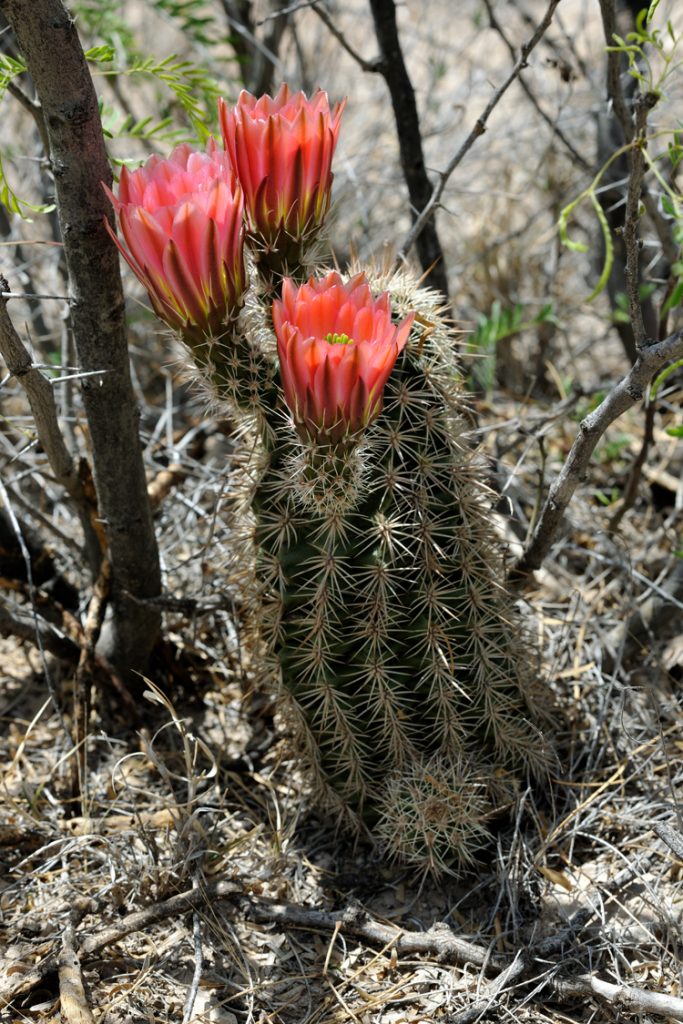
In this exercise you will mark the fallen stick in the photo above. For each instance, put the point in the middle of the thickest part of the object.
(73, 1004)
(439, 941)
(624, 997)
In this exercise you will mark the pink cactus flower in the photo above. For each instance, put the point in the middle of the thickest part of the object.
(281, 149)
(337, 346)
(182, 224)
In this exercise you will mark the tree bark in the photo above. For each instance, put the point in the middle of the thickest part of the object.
(394, 71)
(49, 43)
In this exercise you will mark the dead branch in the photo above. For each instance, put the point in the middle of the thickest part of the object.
(42, 402)
(623, 396)
(174, 906)
(439, 941)
(478, 130)
(370, 66)
(670, 836)
(74, 1005)
(625, 997)
(554, 127)
(23, 625)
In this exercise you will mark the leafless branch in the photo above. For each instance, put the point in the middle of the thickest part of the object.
(625, 394)
(259, 57)
(395, 73)
(74, 1005)
(625, 997)
(283, 12)
(42, 402)
(23, 624)
(34, 109)
(370, 66)
(439, 941)
(614, 69)
(557, 131)
(478, 130)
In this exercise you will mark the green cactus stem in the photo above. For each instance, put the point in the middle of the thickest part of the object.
(405, 675)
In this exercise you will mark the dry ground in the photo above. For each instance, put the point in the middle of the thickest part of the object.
(189, 794)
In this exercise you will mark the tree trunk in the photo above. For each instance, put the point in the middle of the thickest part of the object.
(393, 69)
(49, 43)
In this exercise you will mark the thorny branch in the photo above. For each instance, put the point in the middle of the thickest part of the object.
(478, 129)
(625, 394)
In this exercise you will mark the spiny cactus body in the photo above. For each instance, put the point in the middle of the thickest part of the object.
(375, 573)
(405, 673)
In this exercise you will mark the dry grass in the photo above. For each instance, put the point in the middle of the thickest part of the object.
(192, 788)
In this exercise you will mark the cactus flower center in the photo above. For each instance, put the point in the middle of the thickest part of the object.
(339, 339)
(337, 345)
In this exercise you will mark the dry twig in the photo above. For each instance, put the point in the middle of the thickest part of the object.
(74, 1005)
(42, 402)
(555, 128)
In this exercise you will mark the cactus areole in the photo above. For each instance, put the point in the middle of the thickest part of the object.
(363, 537)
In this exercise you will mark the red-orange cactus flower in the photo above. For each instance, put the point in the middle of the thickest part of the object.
(281, 149)
(337, 346)
(182, 223)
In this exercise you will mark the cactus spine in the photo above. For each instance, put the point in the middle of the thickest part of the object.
(404, 672)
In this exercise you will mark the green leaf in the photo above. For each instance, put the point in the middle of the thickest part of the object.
(674, 299)
(660, 378)
(609, 248)
(9, 69)
(12, 202)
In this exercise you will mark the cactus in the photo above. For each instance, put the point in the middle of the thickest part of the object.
(363, 531)
(405, 674)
